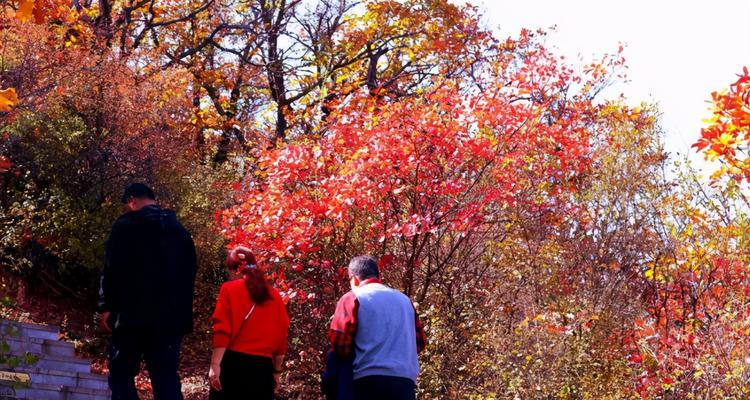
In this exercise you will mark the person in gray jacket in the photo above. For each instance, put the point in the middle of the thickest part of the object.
(381, 328)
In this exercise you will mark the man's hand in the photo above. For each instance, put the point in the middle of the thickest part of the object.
(278, 367)
(277, 379)
(103, 322)
(213, 376)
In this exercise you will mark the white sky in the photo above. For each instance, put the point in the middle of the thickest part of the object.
(677, 52)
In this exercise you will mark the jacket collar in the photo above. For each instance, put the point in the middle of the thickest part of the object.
(369, 280)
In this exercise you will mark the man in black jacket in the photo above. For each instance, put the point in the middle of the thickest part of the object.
(146, 295)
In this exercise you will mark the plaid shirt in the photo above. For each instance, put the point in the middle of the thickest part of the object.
(344, 325)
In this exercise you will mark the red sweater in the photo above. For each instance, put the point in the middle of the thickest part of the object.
(265, 331)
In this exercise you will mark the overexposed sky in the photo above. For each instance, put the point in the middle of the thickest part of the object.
(677, 52)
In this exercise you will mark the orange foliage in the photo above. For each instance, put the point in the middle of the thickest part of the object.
(727, 135)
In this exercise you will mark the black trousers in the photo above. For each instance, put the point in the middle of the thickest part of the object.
(380, 387)
(162, 356)
(244, 377)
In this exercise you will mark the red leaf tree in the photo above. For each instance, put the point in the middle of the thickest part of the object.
(427, 184)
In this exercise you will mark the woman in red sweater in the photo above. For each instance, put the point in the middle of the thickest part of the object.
(250, 334)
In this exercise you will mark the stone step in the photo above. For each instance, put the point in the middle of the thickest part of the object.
(56, 374)
(58, 363)
(21, 345)
(38, 391)
(58, 348)
(11, 329)
(63, 363)
(88, 394)
(65, 378)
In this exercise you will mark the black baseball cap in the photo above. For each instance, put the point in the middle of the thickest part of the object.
(139, 191)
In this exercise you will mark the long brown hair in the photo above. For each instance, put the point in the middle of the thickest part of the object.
(255, 280)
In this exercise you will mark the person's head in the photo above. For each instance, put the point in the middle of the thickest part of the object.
(362, 268)
(137, 196)
(241, 260)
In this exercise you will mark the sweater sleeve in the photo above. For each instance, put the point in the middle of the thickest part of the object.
(109, 281)
(284, 334)
(222, 320)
